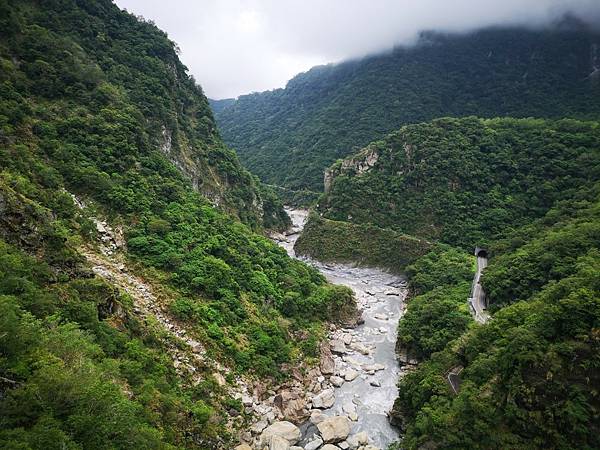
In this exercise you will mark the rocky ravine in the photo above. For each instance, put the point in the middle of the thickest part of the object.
(342, 404)
(358, 370)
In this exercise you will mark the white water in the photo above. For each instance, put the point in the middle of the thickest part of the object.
(377, 292)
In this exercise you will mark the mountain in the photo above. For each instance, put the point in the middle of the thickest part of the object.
(529, 377)
(289, 136)
(463, 181)
(138, 296)
(528, 191)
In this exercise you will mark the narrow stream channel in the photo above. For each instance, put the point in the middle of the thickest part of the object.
(380, 295)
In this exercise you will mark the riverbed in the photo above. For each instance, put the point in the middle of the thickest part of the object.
(369, 349)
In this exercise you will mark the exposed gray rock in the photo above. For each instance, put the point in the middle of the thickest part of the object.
(324, 400)
(338, 346)
(336, 381)
(357, 440)
(278, 443)
(350, 375)
(314, 444)
(259, 427)
(360, 348)
(317, 417)
(283, 429)
(373, 367)
(334, 429)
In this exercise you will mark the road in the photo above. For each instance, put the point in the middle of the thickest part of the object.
(477, 300)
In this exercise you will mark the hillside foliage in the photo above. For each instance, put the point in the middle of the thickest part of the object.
(100, 121)
(530, 377)
(464, 181)
(289, 136)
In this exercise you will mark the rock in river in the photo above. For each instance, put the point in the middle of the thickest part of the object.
(283, 429)
(324, 400)
(334, 429)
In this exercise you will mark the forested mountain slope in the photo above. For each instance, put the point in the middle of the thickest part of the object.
(463, 181)
(529, 377)
(289, 136)
(529, 191)
(110, 165)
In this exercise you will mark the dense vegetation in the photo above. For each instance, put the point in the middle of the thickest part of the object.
(528, 190)
(99, 119)
(530, 377)
(330, 240)
(440, 282)
(464, 181)
(289, 136)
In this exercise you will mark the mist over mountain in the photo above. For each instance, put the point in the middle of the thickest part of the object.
(154, 293)
(289, 136)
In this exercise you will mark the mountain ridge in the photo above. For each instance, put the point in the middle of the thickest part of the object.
(289, 136)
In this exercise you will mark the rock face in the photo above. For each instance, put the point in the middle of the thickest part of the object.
(324, 400)
(334, 429)
(286, 430)
(359, 164)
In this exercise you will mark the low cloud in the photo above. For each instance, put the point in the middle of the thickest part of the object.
(234, 47)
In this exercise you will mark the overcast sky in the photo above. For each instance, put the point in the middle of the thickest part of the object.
(234, 47)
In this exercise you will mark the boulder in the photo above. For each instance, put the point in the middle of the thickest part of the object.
(357, 440)
(360, 348)
(350, 375)
(317, 417)
(314, 444)
(327, 364)
(324, 400)
(259, 427)
(247, 400)
(334, 429)
(286, 430)
(243, 447)
(352, 361)
(291, 405)
(278, 443)
(330, 447)
(373, 367)
(338, 346)
(336, 381)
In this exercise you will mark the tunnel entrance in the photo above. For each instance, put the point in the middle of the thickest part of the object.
(481, 252)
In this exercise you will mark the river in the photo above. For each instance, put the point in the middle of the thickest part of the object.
(381, 296)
